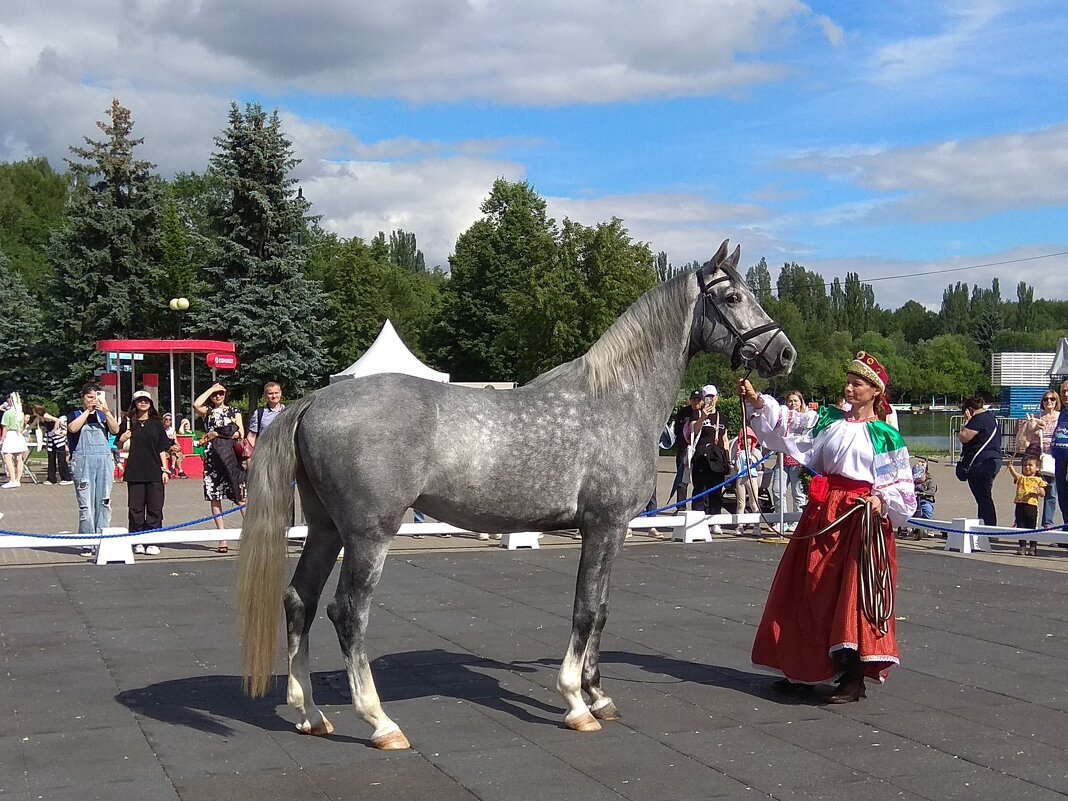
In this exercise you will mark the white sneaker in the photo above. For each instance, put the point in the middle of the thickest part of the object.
(497, 536)
(64, 483)
(89, 550)
(9, 485)
(717, 529)
(139, 549)
(483, 536)
(152, 550)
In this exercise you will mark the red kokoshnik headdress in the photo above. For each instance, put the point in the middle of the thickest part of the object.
(870, 369)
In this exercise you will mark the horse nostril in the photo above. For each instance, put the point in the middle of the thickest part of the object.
(787, 354)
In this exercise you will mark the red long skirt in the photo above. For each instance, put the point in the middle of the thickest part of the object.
(813, 607)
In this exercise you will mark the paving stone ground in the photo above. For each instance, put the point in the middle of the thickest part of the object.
(122, 683)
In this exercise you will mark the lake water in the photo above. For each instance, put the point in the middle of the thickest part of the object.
(929, 428)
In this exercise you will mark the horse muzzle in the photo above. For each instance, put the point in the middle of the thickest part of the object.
(773, 358)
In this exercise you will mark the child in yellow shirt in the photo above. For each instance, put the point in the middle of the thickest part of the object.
(1030, 487)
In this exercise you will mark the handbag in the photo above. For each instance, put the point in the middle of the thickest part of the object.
(1046, 465)
(961, 470)
(243, 448)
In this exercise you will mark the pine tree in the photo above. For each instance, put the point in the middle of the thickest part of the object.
(758, 278)
(107, 261)
(258, 294)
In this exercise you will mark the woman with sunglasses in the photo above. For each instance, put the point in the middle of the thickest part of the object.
(223, 475)
(1035, 439)
(146, 470)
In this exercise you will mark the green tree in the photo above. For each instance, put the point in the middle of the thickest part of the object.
(108, 280)
(515, 236)
(956, 309)
(916, 322)
(859, 304)
(20, 334)
(758, 277)
(1025, 307)
(258, 294)
(33, 200)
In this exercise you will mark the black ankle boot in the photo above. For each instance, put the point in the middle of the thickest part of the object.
(851, 685)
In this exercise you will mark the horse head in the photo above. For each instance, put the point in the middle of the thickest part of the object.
(728, 319)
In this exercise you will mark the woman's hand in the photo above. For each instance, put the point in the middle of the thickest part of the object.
(750, 395)
(875, 502)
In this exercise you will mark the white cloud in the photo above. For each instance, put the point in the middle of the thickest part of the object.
(435, 198)
(958, 180)
(921, 57)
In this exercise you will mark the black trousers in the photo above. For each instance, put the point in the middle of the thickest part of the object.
(146, 504)
(981, 483)
(57, 461)
(703, 478)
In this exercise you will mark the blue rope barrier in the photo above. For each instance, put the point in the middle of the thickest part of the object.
(703, 493)
(177, 526)
(919, 522)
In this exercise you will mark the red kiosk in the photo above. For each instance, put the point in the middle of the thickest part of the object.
(220, 356)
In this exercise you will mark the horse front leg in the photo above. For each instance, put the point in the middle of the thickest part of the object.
(580, 669)
(301, 600)
(360, 570)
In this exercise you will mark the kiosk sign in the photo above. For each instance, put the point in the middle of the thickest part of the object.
(222, 361)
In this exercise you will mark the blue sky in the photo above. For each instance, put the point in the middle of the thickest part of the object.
(883, 138)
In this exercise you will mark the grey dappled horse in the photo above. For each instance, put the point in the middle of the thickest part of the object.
(575, 448)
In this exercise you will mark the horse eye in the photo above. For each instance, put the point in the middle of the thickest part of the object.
(734, 297)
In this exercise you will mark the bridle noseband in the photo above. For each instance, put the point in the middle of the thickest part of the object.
(740, 337)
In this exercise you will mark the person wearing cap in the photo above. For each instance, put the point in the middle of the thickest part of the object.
(685, 415)
(91, 462)
(709, 463)
(223, 475)
(825, 617)
(745, 453)
(147, 466)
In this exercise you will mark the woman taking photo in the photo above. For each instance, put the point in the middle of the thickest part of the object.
(980, 456)
(830, 611)
(146, 470)
(223, 475)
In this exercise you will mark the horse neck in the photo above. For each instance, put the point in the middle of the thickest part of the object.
(666, 325)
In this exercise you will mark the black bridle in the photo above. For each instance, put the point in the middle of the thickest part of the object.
(740, 337)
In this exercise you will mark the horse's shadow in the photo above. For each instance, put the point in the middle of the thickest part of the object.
(206, 703)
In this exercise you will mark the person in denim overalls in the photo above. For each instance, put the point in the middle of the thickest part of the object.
(91, 460)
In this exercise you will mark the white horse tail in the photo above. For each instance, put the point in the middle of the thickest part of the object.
(260, 579)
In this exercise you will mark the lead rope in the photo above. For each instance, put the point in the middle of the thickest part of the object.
(876, 586)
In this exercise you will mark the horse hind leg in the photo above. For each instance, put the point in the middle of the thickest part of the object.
(360, 570)
(301, 600)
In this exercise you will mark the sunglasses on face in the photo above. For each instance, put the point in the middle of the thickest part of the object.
(1049, 400)
(143, 400)
(217, 394)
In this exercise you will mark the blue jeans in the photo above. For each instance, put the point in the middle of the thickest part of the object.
(924, 509)
(93, 478)
(1060, 483)
(1049, 504)
(981, 483)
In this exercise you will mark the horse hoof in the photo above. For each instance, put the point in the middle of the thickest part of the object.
(606, 712)
(322, 729)
(394, 741)
(584, 722)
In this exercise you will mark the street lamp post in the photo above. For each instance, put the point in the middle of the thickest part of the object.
(179, 306)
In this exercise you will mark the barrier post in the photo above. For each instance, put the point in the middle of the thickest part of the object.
(960, 540)
(114, 550)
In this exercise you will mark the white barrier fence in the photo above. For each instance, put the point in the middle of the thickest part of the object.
(117, 544)
(968, 535)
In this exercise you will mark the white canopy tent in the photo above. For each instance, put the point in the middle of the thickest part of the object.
(388, 354)
(1059, 367)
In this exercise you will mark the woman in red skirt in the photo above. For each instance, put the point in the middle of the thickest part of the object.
(830, 611)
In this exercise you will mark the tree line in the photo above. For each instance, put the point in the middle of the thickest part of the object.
(97, 250)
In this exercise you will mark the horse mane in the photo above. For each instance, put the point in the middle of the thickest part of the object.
(626, 352)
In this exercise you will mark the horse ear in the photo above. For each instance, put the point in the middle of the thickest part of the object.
(732, 262)
(712, 264)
